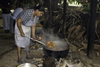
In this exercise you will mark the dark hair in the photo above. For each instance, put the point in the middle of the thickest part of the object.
(38, 7)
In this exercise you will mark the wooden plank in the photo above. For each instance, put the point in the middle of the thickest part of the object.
(91, 31)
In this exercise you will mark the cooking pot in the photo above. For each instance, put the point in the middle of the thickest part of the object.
(27, 65)
(59, 51)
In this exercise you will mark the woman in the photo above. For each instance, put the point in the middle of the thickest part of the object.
(25, 23)
(6, 14)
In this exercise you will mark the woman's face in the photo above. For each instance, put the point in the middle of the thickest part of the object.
(39, 13)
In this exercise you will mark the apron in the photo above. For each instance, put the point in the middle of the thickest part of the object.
(23, 41)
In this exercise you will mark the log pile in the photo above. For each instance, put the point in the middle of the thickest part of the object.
(74, 27)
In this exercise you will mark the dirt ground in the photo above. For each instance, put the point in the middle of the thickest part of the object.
(8, 50)
(8, 53)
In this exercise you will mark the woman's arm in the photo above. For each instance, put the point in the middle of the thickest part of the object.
(33, 31)
(19, 21)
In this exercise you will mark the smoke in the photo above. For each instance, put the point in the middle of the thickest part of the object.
(49, 36)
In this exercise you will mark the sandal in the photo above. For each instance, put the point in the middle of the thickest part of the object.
(19, 61)
(29, 57)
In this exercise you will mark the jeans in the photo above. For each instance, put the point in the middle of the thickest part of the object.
(6, 21)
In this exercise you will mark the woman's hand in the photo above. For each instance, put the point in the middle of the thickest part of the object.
(34, 39)
(22, 34)
(19, 21)
(39, 38)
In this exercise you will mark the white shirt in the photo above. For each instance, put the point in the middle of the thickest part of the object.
(16, 12)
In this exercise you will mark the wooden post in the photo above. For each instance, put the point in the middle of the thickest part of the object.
(50, 13)
(91, 31)
(64, 19)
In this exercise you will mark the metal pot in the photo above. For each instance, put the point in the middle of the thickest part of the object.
(59, 51)
(27, 65)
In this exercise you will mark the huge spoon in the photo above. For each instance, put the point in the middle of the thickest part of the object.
(36, 40)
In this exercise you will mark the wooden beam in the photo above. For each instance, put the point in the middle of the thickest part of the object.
(50, 11)
(91, 31)
(64, 19)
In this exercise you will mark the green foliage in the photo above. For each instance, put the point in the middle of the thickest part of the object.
(0, 9)
(78, 1)
(70, 1)
(86, 7)
(98, 8)
(86, 10)
(74, 1)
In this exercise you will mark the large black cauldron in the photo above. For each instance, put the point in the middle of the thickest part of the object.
(61, 50)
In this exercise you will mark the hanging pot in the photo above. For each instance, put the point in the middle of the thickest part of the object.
(59, 51)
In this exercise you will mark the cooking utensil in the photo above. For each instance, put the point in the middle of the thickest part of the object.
(27, 65)
(36, 41)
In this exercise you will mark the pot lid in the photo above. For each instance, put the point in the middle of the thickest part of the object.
(27, 65)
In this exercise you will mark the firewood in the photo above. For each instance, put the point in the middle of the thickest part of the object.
(97, 35)
(96, 47)
(70, 31)
(73, 18)
(76, 31)
(80, 34)
(96, 24)
(56, 17)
